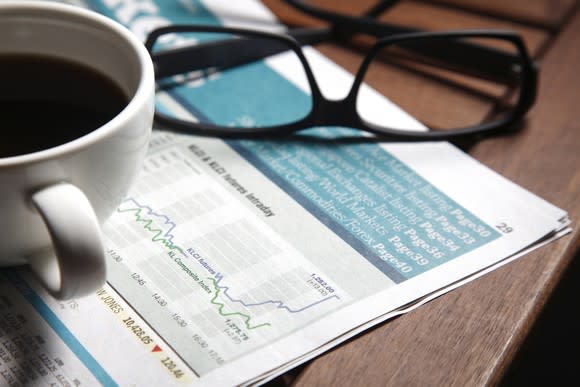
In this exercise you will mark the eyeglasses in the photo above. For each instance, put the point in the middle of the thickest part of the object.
(232, 82)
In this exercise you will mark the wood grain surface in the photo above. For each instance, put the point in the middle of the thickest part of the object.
(545, 13)
(469, 336)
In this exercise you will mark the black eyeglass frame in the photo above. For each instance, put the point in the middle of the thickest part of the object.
(343, 113)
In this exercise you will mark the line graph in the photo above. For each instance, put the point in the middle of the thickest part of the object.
(144, 215)
(166, 239)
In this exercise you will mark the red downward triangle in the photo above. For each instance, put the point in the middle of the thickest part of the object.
(156, 348)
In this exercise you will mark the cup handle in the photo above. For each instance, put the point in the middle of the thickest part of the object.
(76, 264)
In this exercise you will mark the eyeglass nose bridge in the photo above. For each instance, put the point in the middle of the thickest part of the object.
(335, 112)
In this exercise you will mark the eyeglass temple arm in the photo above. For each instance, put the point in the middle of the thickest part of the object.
(338, 19)
(380, 7)
(481, 61)
(470, 56)
(458, 54)
(233, 52)
(229, 52)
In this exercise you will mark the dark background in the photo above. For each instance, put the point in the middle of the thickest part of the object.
(550, 355)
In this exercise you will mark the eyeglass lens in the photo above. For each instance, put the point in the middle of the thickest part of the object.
(443, 91)
(227, 84)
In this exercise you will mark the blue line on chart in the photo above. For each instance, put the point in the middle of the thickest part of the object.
(280, 304)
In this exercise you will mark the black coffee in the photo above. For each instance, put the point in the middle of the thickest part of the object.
(45, 102)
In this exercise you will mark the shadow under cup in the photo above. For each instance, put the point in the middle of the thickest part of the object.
(96, 65)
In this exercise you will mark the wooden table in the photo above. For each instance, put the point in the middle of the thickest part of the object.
(470, 336)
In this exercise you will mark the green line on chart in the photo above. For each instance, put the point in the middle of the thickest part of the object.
(221, 306)
(157, 232)
(172, 246)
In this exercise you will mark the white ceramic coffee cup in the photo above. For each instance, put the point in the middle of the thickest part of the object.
(53, 201)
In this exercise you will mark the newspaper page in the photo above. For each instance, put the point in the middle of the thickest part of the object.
(230, 262)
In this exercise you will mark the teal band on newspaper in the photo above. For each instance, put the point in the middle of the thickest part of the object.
(59, 327)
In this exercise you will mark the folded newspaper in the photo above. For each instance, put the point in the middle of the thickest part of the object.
(232, 261)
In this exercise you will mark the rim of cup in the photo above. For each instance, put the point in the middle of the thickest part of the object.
(136, 100)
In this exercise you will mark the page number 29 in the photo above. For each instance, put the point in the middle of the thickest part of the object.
(504, 228)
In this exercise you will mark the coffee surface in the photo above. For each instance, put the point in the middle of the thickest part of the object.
(46, 102)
